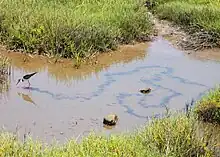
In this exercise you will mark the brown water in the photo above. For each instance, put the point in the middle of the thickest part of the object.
(67, 103)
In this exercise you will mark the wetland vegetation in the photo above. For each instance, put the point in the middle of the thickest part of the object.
(199, 18)
(72, 28)
(161, 137)
(54, 27)
(208, 108)
(4, 64)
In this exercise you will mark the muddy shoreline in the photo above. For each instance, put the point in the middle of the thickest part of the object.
(99, 62)
(162, 28)
(177, 35)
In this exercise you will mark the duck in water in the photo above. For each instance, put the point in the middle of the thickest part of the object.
(145, 91)
(26, 78)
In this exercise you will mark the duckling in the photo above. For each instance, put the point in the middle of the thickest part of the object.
(145, 91)
(110, 119)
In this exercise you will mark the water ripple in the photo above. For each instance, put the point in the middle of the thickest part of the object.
(153, 81)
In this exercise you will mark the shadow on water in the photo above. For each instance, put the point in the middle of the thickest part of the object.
(70, 102)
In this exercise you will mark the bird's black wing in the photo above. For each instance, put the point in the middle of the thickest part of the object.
(29, 75)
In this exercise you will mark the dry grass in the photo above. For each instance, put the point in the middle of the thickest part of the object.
(4, 64)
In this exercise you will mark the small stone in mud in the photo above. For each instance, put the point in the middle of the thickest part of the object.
(61, 133)
(145, 91)
(110, 119)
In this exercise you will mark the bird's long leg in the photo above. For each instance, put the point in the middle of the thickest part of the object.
(29, 83)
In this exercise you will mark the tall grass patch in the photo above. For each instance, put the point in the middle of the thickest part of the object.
(72, 28)
(175, 136)
(208, 108)
(199, 18)
(203, 15)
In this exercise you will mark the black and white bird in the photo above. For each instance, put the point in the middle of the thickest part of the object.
(26, 78)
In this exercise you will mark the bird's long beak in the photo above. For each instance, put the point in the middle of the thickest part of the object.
(18, 81)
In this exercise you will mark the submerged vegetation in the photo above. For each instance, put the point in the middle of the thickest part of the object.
(72, 28)
(200, 19)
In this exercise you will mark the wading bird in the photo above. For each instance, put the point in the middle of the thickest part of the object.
(26, 78)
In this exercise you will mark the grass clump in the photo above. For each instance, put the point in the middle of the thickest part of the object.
(4, 64)
(72, 27)
(208, 108)
(200, 19)
(174, 136)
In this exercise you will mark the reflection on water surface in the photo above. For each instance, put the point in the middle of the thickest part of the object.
(63, 104)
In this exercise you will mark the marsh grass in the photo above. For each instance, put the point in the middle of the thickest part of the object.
(199, 18)
(4, 66)
(173, 136)
(72, 27)
(208, 108)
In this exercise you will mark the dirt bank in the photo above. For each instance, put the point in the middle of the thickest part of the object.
(181, 40)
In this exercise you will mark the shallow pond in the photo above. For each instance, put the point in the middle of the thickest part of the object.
(64, 103)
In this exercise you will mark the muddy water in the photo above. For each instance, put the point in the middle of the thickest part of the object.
(62, 104)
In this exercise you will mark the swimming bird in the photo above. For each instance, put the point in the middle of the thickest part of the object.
(110, 119)
(145, 91)
(26, 78)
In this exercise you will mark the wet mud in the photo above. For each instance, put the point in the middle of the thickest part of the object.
(65, 103)
(177, 36)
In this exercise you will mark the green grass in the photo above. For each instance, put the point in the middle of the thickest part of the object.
(198, 17)
(72, 27)
(208, 108)
(174, 136)
(203, 15)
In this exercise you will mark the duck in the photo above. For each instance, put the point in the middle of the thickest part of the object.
(145, 91)
(110, 119)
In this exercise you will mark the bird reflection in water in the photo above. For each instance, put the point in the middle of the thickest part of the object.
(108, 127)
(27, 98)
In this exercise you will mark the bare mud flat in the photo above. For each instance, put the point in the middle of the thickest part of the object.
(64, 102)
